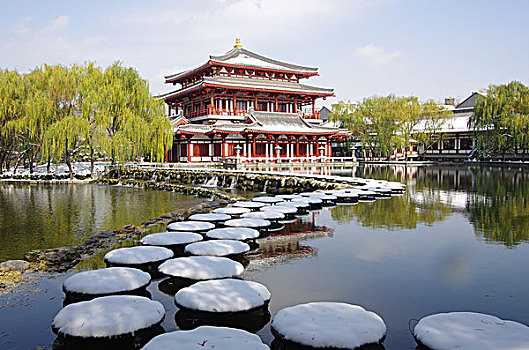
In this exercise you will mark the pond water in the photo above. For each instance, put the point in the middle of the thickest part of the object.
(40, 216)
(457, 240)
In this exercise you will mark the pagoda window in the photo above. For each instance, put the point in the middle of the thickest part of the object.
(282, 107)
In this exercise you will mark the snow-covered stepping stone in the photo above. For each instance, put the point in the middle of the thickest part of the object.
(328, 325)
(232, 211)
(299, 204)
(112, 280)
(221, 247)
(271, 215)
(346, 197)
(210, 217)
(289, 211)
(227, 295)
(207, 337)
(289, 197)
(142, 257)
(200, 268)
(469, 331)
(108, 317)
(192, 226)
(314, 202)
(268, 200)
(258, 224)
(233, 233)
(175, 240)
(250, 205)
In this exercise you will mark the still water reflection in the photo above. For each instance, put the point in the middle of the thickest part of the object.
(455, 241)
(47, 216)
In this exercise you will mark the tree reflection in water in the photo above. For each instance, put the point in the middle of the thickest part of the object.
(495, 200)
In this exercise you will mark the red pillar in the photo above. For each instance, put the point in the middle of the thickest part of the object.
(313, 108)
(189, 149)
(297, 146)
(223, 149)
(317, 145)
(253, 147)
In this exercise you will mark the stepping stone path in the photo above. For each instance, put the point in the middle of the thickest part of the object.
(106, 281)
(227, 295)
(138, 255)
(249, 205)
(192, 226)
(200, 268)
(251, 223)
(329, 325)
(207, 337)
(107, 317)
(221, 247)
(233, 233)
(470, 331)
(171, 239)
(268, 200)
(232, 211)
(212, 217)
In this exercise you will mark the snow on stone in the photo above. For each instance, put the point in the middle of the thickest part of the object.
(267, 215)
(221, 247)
(285, 209)
(106, 281)
(471, 331)
(252, 223)
(190, 226)
(296, 203)
(289, 197)
(329, 325)
(138, 255)
(171, 238)
(209, 217)
(227, 295)
(108, 316)
(268, 199)
(231, 210)
(250, 205)
(201, 267)
(207, 338)
(233, 233)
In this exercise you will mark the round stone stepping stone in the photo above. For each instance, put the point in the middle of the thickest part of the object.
(106, 317)
(211, 217)
(107, 281)
(285, 209)
(257, 224)
(171, 239)
(192, 226)
(300, 205)
(207, 337)
(250, 205)
(233, 233)
(271, 215)
(268, 200)
(289, 197)
(227, 295)
(470, 331)
(314, 202)
(328, 325)
(220, 247)
(138, 255)
(200, 268)
(232, 211)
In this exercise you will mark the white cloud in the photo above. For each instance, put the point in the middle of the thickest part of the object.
(376, 55)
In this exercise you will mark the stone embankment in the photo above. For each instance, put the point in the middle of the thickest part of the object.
(178, 180)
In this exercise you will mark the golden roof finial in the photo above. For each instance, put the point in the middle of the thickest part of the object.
(237, 43)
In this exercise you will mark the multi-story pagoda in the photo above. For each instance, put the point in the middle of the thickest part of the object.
(248, 106)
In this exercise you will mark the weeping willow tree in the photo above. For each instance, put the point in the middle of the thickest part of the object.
(133, 121)
(500, 119)
(11, 102)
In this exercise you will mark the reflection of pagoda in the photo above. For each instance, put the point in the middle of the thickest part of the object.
(245, 105)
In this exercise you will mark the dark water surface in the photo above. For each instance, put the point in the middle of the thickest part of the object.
(455, 241)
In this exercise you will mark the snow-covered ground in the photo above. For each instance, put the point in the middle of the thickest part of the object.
(60, 171)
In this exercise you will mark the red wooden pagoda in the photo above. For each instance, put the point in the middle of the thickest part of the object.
(248, 106)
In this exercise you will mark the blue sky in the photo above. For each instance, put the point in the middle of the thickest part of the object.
(430, 49)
